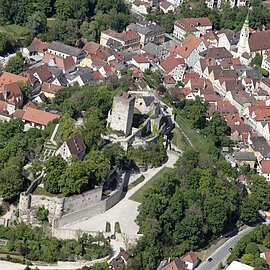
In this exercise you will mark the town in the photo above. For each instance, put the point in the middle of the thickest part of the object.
(141, 144)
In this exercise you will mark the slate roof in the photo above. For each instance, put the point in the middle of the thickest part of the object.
(76, 144)
(245, 156)
(260, 144)
(66, 49)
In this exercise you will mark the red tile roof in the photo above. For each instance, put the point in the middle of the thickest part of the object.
(266, 170)
(38, 46)
(190, 24)
(8, 78)
(50, 88)
(38, 116)
(60, 62)
(191, 257)
(91, 47)
(259, 40)
(140, 58)
(170, 63)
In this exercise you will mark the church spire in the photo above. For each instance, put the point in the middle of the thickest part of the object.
(244, 36)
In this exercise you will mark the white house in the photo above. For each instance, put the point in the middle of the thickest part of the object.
(235, 265)
(191, 260)
(140, 61)
(167, 7)
(173, 66)
(195, 26)
(140, 7)
(72, 147)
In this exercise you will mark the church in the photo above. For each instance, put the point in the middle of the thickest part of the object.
(251, 42)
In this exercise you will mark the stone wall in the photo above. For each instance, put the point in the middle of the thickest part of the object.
(94, 209)
(80, 215)
(80, 201)
(53, 204)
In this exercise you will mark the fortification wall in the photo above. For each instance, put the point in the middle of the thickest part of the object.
(77, 202)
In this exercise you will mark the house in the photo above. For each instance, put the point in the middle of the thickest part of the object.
(252, 42)
(72, 147)
(10, 91)
(167, 7)
(59, 49)
(174, 67)
(175, 264)
(66, 64)
(37, 47)
(154, 51)
(266, 61)
(191, 260)
(169, 81)
(140, 61)
(50, 90)
(248, 158)
(218, 54)
(148, 31)
(195, 26)
(213, 3)
(235, 265)
(266, 256)
(260, 147)
(36, 118)
(265, 170)
(121, 260)
(42, 73)
(91, 47)
(190, 49)
(228, 39)
(140, 6)
(83, 77)
(129, 39)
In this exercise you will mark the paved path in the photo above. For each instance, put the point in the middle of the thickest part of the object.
(126, 211)
(223, 252)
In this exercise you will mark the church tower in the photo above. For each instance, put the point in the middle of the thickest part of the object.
(244, 36)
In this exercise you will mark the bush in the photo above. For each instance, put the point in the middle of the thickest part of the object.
(108, 227)
(42, 214)
(117, 228)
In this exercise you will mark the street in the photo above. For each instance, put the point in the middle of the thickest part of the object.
(223, 252)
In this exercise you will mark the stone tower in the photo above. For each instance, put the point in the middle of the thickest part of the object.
(121, 116)
(244, 36)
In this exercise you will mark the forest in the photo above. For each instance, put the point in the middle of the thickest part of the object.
(34, 245)
(63, 20)
(199, 200)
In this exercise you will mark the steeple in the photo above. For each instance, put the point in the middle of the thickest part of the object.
(244, 36)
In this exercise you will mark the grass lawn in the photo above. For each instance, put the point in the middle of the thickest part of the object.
(42, 191)
(178, 139)
(138, 196)
(51, 22)
(205, 253)
(14, 29)
(136, 182)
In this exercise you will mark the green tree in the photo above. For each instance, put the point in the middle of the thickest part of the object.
(54, 169)
(11, 182)
(37, 23)
(42, 214)
(15, 64)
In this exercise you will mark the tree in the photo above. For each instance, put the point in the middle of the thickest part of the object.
(195, 112)
(217, 130)
(15, 64)
(42, 214)
(11, 182)
(3, 43)
(54, 168)
(257, 60)
(37, 23)
(248, 211)
(74, 179)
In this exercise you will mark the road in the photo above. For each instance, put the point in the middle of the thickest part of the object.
(223, 252)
